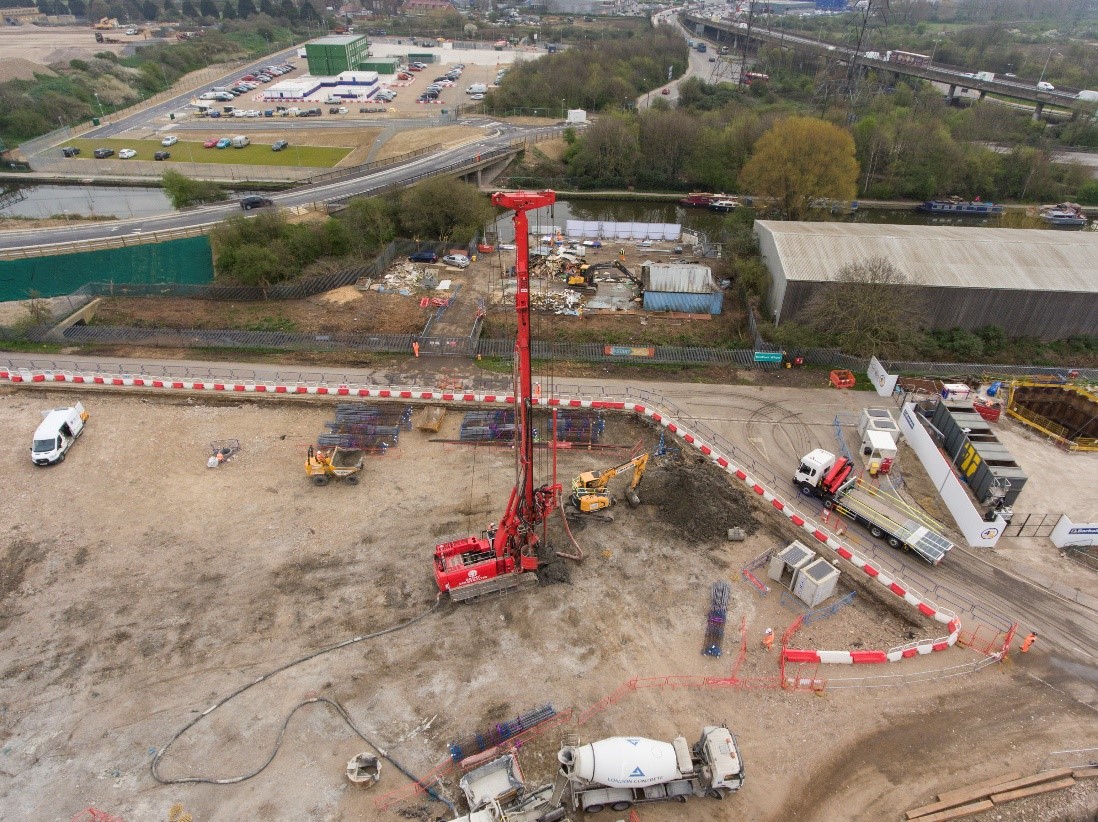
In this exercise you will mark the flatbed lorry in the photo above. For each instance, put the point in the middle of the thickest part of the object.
(821, 474)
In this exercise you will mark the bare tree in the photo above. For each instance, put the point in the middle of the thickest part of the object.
(869, 307)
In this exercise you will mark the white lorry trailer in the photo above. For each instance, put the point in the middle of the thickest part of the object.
(623, 771)
(822, 474)
(56, 433)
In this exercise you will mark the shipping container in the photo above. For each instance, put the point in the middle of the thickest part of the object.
(680, 277)
(330, 56)
(424, 57)
(684, 302)
(381, 66)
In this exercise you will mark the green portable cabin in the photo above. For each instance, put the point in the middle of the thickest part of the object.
(380, 65)
(329, 56)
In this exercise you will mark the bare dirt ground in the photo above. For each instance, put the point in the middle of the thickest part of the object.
(54, 44)
(139, 587)
(20, 68)
(345, 309)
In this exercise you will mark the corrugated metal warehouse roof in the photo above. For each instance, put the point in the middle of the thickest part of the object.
(683, 278)
(945, 257)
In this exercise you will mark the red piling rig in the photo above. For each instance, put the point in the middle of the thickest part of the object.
(475, 566)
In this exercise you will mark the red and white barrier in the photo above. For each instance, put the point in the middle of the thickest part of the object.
(44, 379)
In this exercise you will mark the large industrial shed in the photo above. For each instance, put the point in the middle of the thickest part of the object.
(1034, 283)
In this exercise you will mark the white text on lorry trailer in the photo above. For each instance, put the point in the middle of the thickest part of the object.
(832, 479)
(623, 771)
(56, 433)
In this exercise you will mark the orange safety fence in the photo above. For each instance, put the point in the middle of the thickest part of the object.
(95, 815)
(988, 641)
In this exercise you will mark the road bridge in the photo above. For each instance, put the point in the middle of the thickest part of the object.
(731, 33)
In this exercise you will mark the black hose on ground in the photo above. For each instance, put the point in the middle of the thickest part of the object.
(154, 766)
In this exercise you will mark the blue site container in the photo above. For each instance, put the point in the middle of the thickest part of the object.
(705, 303)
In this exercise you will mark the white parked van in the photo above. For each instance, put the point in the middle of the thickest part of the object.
(240, 141)
(59, 429)
(477, 88)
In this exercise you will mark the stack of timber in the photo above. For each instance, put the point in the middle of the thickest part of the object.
(982, 796)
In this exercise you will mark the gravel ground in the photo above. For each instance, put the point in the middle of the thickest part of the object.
(139, 587)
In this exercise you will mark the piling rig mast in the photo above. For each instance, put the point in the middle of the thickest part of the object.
(507, 553)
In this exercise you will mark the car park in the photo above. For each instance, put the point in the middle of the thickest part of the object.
(457, 260)
(162, 155)
(278, 145)
(103, 153)
(126, 154)
(255, 201)
(224, 142)
(170, 140)
(423, 256)
(70, 151)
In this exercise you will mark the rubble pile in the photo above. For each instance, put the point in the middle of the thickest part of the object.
(559, 302)
(404, 278)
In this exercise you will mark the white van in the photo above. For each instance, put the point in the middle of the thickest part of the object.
(477, 88)
(240, 141)
(58, 430)
(1043, 86)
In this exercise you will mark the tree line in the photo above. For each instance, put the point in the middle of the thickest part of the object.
(269, 249)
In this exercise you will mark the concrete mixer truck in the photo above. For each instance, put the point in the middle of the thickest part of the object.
(623, 771)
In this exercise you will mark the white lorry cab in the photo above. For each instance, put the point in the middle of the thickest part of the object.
(57, 432)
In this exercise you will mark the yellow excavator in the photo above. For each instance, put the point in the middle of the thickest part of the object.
(589, 493)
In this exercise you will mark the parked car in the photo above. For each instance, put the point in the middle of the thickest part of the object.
(211, 143)
(255, 201)
(458, 260)
(476, 96)
(224, 142)
(423, 256)
(126, 154)
(70, 151)
(162, 155)
(103, 153)
(278, 145)
(666, 91)
(169, 141)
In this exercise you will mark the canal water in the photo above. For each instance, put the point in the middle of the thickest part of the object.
(122, 202)
(710, 223)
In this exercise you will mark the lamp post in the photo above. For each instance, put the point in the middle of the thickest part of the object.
(1042, 77)
(562, 111)
(100, 104)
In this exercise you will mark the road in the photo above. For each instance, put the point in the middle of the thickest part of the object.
(498, 136)
(710, 66)
(966, 582)
(363, 183)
